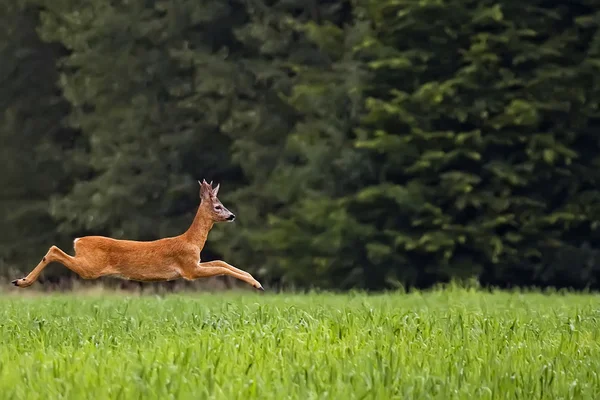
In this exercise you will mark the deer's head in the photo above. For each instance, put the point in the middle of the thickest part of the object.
(211, 205)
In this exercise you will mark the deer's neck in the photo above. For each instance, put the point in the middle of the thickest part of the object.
(198, 231)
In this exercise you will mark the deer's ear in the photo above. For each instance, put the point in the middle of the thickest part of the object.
(216, 190)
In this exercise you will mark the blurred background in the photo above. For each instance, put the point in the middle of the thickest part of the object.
(366, 144)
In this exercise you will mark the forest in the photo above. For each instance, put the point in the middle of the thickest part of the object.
(362, 144)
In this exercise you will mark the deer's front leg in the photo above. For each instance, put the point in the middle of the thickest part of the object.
(217, 268)
(234, 269)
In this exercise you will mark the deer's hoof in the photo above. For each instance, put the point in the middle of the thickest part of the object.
(260, 288)
(20, 282)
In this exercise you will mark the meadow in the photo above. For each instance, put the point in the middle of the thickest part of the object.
(443, 344)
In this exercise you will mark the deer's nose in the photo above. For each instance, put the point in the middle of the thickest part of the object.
(231, 217)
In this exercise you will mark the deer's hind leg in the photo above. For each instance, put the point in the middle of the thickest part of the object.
(55, 254)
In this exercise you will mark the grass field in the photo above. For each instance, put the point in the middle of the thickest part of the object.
(453, 344)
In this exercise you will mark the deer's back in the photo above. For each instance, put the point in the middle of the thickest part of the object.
(115, 252)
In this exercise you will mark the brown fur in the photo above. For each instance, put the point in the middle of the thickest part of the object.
(160, 260)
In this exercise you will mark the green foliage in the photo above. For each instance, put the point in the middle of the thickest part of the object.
(492, 138)
(150, 118)
(479, 131)
(34, 142)
(448, 344)
(369, 144)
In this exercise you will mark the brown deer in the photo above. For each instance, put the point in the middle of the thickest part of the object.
(160, 260)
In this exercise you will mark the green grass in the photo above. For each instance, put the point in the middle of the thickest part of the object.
(453, 344)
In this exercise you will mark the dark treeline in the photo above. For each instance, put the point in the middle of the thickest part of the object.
(362, 144)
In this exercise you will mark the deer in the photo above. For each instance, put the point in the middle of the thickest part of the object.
(164, 259)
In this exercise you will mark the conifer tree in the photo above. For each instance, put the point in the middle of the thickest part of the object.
(150, 87)
(299, 234)
(35, 164)
(481, 118)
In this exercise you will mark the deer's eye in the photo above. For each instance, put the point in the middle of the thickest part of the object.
(218, 208)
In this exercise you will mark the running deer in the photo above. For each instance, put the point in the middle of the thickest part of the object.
(160, 260)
